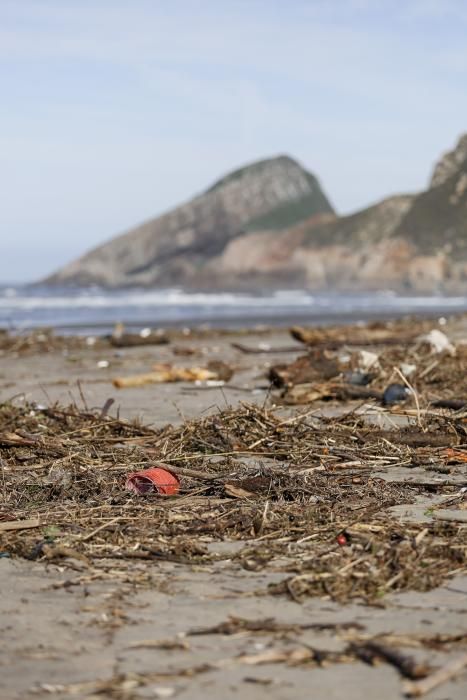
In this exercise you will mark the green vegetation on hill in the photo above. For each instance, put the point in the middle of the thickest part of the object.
(357, 230)
(251, 169)
(438, 217)
(291, 213)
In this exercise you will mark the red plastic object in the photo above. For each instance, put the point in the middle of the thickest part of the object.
(342, 540)
(156, 479)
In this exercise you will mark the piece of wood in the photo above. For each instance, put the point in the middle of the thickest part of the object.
(237, 492)
(15, 440)
(406, 665)
(416, 689)
(90, 535)
(318, 337)
(454, 404)
(248, 350)
(129, 340)
(163, 374)
(19, 524)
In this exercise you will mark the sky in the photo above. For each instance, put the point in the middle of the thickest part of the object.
(112, 112)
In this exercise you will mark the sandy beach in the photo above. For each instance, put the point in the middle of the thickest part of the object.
(333, 553)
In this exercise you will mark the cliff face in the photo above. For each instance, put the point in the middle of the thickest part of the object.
(270, 225)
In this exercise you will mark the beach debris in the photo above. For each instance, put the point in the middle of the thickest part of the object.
(416, 689)
(162, 373)
(184, 351)
(307, 393)
(19, 524)
(395, 393)
(163, 691)
(407, 369)
(166, 644)
(406, 665)
(438, 342)
(331, 467)
(305, 369)
(16, 440)
(371, 334)
(157, 479)
(223, 371)
(454, 404)
(358, 378)
(237, 492)
(146, 336)
(233, 625)
(451, 455)
(367, 360)
(265, 348)
(102, 364)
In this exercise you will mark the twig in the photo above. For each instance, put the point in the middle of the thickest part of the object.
(415, 395)
(98, 529)
(260, 351)
(442, 675)
(19, 524)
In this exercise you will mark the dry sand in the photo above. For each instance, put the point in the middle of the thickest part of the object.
(63, 640)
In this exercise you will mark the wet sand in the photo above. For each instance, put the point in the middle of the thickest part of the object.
(64, 636)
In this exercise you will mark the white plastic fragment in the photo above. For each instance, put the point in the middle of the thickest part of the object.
(407, 369)
(367, 360)
(438, 341)
(163, 692)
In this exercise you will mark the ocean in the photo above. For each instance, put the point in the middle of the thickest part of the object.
(96, 310)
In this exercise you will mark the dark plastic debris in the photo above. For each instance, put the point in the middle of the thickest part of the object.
(395, 393)
(358, 378)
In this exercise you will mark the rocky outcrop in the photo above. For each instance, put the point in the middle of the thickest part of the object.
(270, 225)
(172, 249)
(449, 163)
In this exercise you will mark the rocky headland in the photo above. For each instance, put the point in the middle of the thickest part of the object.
(270, 225)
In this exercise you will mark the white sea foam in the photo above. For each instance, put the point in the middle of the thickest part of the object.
(151, 299)
(21, 307)
(24, 300)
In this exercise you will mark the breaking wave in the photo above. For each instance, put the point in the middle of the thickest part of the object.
(23, 307)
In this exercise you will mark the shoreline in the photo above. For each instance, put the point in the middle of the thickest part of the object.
(242, 323)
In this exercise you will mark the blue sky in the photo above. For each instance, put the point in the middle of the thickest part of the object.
(113, 111)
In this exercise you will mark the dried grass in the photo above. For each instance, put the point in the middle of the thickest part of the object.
(300, 483)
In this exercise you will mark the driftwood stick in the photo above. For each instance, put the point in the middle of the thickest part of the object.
(128, 340)
(411, 438)
(19, 524)
(321, 339)
(406, 665)
(248, 350)
(454, 404)
(416, 689)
